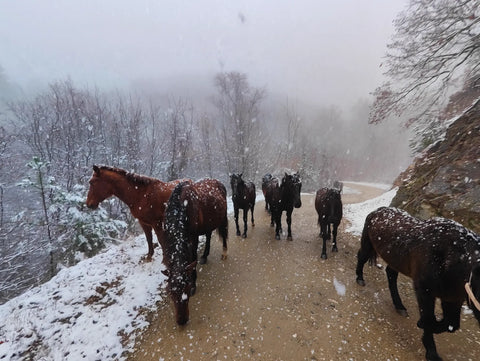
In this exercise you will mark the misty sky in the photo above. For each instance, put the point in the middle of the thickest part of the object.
(326, 51)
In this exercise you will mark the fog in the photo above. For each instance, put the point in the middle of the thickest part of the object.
(323, 52)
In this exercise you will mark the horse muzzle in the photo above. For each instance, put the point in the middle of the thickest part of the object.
(92, 205)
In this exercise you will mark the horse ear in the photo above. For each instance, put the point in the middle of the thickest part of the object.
(241, 175)
(96, 169)
(191, 266)
(165, 272)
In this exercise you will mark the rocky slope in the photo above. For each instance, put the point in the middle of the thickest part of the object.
(445, 180)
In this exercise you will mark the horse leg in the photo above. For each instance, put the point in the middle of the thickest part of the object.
(289, 224)
(329, 233)
(427, 321)
(334, 234)
(251, 209)
(245, 222)
(235, 213)
(323, 228)
(278, 223)
(194, 243)
(148, 235)
(451, 317)
(206, 251)
(392, 277)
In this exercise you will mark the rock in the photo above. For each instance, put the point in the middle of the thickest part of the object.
(445, 180)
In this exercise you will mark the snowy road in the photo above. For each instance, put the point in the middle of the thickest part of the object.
(271, 300)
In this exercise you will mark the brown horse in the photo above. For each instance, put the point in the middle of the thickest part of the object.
(193, 209)
(146, 197)
(243, 197)
(441, 256)
(328, 204)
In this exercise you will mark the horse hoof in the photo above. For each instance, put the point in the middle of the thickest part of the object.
(244, 235)
(146, 258)
(224, 257)
(361, 282)
(403, 313)
(289, 238)
(277, 237)
(238, 233)
(324, 256)
(253, 224)
(203, 260)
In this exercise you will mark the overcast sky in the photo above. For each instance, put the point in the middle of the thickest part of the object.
(325, 51)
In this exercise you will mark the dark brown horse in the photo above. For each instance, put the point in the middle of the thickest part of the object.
(243, 197)
(265, 180)
(440, 256)
(146, 197)
(328, 204)
(193, 209)
(283, 197)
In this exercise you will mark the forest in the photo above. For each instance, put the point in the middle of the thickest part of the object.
(50, 140)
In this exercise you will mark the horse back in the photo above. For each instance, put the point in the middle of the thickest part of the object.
(150, 208)
(207, 205)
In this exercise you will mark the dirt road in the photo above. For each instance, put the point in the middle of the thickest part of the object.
(278, 300)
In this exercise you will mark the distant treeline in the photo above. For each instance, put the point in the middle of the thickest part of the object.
(49, 143)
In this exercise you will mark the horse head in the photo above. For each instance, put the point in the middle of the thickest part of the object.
(100, 188)
(237, 184)
(181, 286)
(292, 184)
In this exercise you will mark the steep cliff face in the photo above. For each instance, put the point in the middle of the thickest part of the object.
(445, 181)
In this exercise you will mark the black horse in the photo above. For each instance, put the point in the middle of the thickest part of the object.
(243, 197)
(328, 204)
(265, 180)
(193, 209)
(441, 256)
(283, 197)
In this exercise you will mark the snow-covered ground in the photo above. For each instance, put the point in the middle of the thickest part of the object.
(93, 310)
(357, 212)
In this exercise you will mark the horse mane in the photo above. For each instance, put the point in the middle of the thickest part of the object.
(132, 177)
(176, 222)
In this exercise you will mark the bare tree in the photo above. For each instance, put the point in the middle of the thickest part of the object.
(435, 49)
(206, 131)
(240, 131)
(178, 126)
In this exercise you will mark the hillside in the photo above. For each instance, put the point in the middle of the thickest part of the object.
(445, 180)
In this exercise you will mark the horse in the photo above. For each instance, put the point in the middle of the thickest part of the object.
(193, 209)
(328, 204)
(283, 197)
(145, 196)
(265, 180)
(441, 256)
(243, 197)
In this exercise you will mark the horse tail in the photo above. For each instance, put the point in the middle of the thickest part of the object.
(366, 246)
